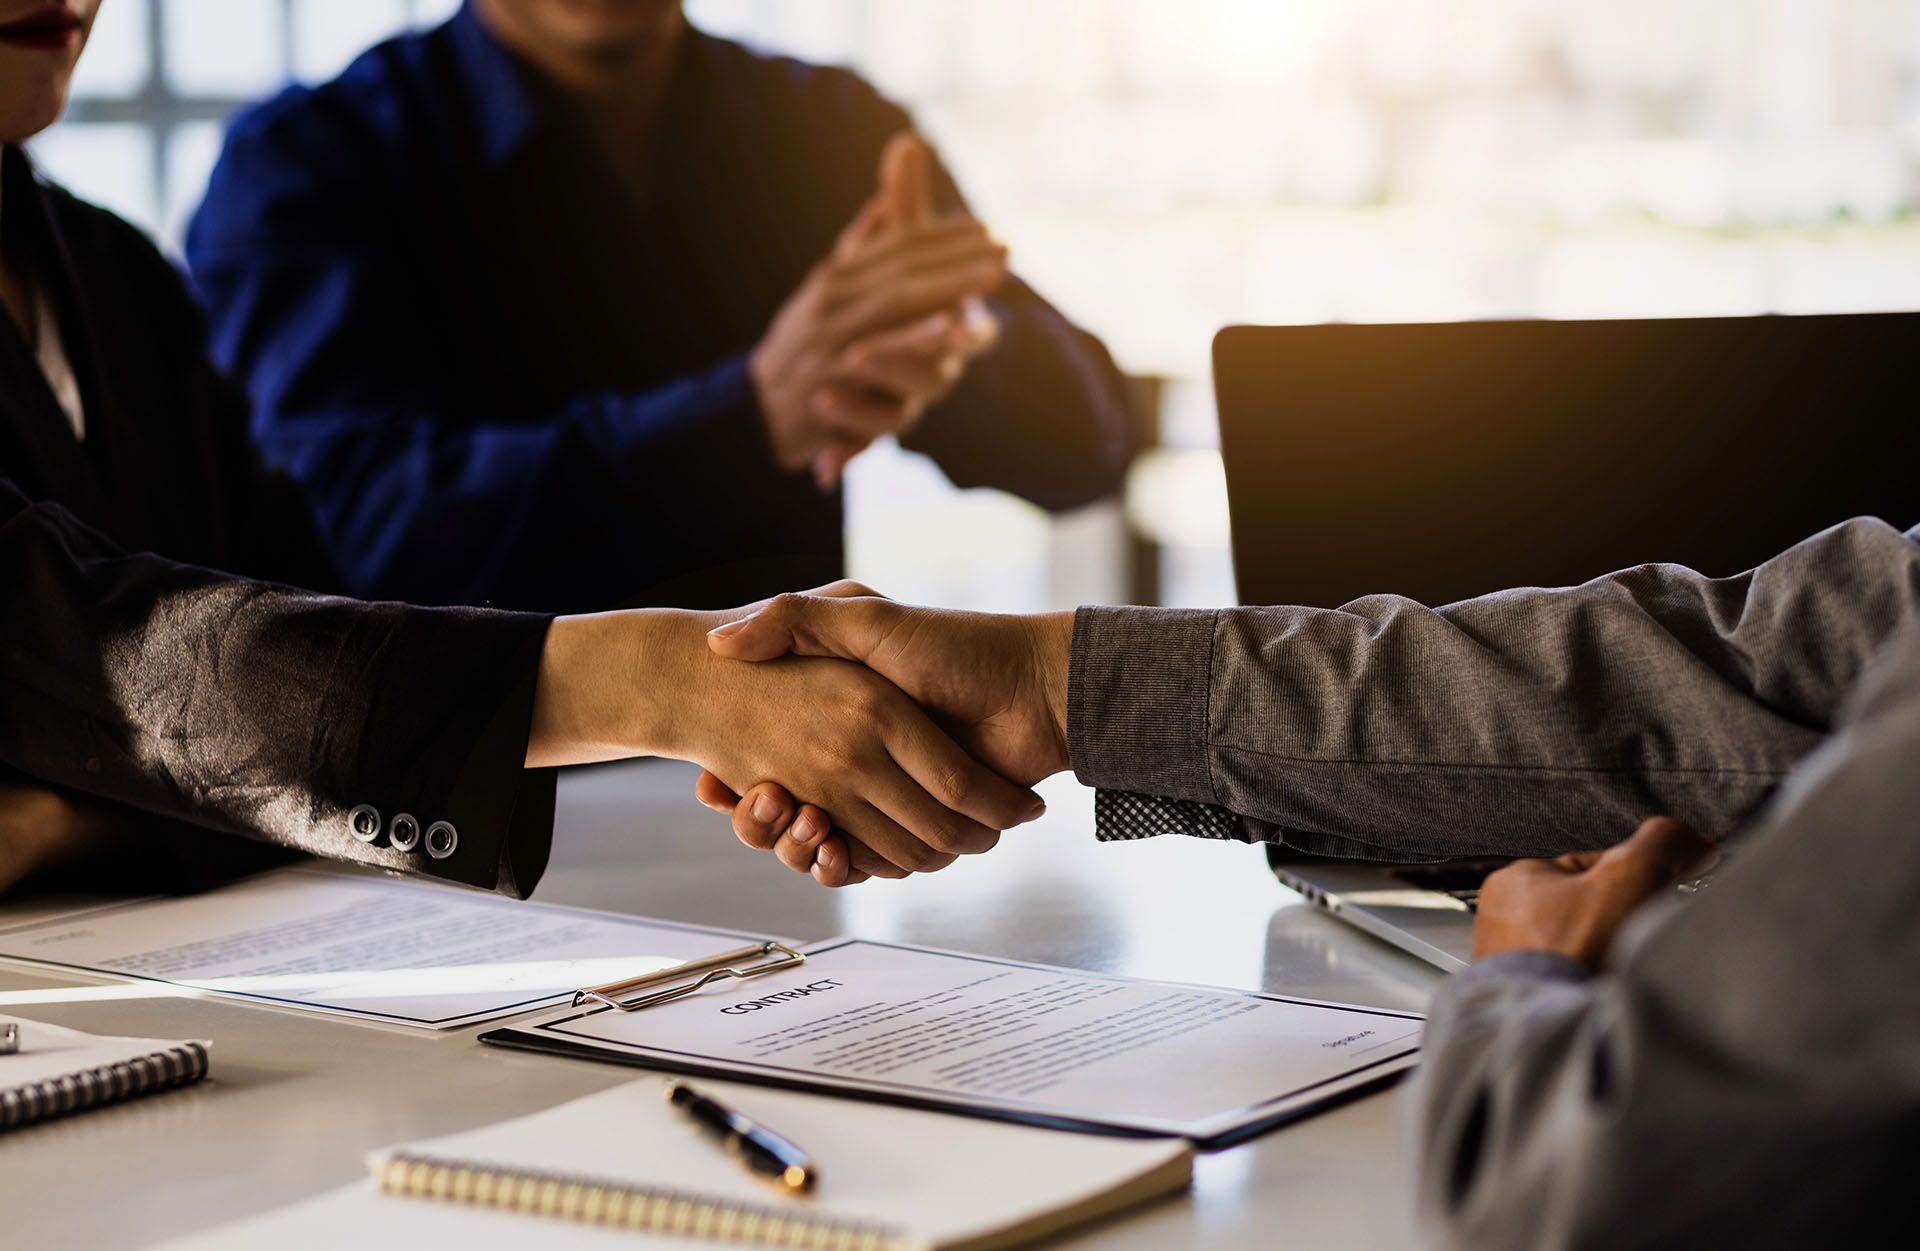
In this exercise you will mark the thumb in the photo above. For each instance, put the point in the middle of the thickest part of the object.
(804, 625)
(906, 184)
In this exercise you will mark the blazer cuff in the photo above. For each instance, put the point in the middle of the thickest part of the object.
(1138, 684)
(429, 715)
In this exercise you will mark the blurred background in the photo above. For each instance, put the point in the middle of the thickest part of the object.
(1160, 170)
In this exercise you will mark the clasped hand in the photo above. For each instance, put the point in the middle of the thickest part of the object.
(840, 734)
(997, 684)
(882, 328)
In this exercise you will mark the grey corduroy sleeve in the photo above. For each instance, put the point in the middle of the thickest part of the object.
(1527, 722)
(1746, 1072)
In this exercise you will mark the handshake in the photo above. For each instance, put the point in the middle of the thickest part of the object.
(870, 739)
(942, 720)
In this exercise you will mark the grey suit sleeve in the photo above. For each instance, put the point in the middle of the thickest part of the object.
(1526, 722)
(1746, 1073)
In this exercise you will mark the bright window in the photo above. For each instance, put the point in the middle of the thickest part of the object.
(1164, 169)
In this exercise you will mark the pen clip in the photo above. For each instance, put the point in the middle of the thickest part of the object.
(704, 972)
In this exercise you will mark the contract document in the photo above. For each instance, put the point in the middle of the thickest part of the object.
(374, 948)
(1000, 1038)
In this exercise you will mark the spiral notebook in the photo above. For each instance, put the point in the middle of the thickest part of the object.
(621, 1169)
(57, 1071)
(890, 1179)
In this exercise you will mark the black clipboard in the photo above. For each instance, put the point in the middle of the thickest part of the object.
(682, 980)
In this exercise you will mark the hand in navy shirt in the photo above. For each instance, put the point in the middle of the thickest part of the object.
(505, 377)
(848, 358)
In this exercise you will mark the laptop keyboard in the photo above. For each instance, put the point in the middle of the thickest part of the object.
(1459, 879)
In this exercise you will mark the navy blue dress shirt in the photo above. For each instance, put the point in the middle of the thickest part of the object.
(504, 379)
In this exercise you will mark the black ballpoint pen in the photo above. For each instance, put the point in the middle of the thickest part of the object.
(752, 1143)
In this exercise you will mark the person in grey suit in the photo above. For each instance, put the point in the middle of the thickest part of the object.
(1738, 1066)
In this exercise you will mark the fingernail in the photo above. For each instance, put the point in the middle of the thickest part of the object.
(731, 628)
(1038, 810)
(808, 829)
(764, 809)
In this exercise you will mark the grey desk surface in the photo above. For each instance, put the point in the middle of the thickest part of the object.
(296, 1100)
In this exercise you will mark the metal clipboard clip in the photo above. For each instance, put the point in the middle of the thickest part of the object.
(703, 972)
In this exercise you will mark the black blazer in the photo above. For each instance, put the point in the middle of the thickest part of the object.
(153, 650)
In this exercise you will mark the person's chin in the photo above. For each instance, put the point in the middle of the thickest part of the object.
(25, 114)
(612, 31)
(33, 89)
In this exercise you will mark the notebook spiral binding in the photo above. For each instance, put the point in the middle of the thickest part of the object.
(110, 1083)
(655, 1210)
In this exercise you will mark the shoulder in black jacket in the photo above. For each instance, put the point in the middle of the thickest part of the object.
(164, 640)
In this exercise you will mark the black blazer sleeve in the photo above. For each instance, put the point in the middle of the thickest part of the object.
(256, 709)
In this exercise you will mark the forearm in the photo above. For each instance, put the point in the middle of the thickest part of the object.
(1528, 722)
(613, 685)
(264, 711)
(401, 491)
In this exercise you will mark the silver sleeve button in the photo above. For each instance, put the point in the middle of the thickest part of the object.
(403, 832)
(363, 822)
(442, 838)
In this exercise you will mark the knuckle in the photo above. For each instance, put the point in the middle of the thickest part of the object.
(951, 834)
(953, 786)
(872, 702)
(863, 859)
(1625, 859)
(946, 839)
(932, 860)
(839, 754)
(981, 841)
(922, 858)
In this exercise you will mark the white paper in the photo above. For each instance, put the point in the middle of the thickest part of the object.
(372, 948)
(1023, 1039)
(53, 1051)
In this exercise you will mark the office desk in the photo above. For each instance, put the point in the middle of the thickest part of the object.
(296, 1100)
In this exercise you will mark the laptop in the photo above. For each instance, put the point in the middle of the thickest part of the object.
(1445, 461)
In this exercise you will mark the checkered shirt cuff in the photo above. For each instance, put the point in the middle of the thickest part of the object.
(1119, 816)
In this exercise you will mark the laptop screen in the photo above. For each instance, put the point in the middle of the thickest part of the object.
(1444, 461)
